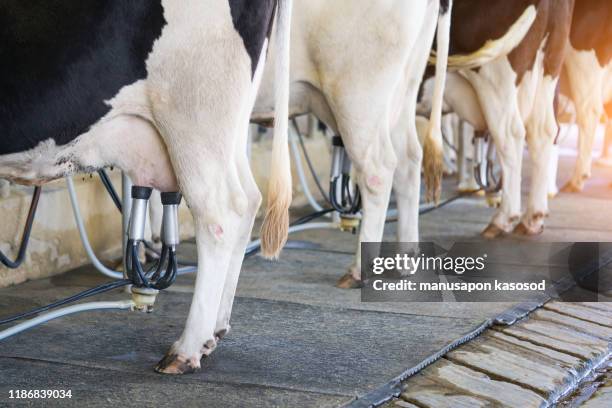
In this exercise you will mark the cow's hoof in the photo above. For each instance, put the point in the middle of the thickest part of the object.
(349, 282)
(219, 335)
(174, 364)
(553, 194)
(526, 230)
(492, 231)
(572, 187)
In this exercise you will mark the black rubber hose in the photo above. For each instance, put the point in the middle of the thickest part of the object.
(443, 204)
(161, 262)
(171, 271)
(27, 231)
(300, 221)
(139, 280)
(108, 184)
(311, 168)
(82, 295)
(110, 188)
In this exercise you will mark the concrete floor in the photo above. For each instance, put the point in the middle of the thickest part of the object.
(296, 339)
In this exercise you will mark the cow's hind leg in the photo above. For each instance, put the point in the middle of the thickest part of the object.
(407, 177)
(208, 170)
(586, 81)
(217, 202)
(372, 153)
(606, 153)
(541, 132)
(251, 190)
(212, 191)
(498, 95)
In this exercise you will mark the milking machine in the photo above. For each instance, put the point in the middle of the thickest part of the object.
(145, 282)
(164, 273)
(343, 197)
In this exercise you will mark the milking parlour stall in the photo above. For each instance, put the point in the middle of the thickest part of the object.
(306, 203)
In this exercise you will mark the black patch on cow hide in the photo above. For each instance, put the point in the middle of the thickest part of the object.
(444, 5)
(592, 28)
(253, 20)
(61, 59)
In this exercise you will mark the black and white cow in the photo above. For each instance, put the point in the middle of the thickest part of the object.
(358, 67)
(589, 77)
(513, 96)
(162, 89)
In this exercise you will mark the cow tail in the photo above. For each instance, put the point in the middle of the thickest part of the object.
(275, 228)
(496, 48)
(433, 159)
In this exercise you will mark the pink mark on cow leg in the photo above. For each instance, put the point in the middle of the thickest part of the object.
(217, 231)
(374, 181)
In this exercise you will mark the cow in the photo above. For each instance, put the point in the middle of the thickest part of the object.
(358, 68)
(163, 90)
(589, 77)
(513, 96)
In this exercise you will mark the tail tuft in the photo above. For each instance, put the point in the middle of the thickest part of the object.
(275, 227)
(433, 167)
(433, 160)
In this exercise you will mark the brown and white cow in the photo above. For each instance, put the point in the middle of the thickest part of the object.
(588, 66)
(513, 96)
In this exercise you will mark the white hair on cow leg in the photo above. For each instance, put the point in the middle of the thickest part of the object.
(495, 87)
(222, 326)
(542, 130)
(407, 177)
(465, 161)
(448, 131)
(606, 152)
(553, 169)
(586, 78)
